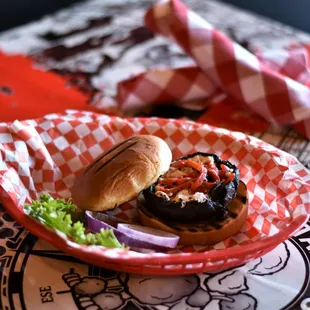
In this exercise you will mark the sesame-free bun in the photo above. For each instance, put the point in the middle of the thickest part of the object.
(202, 234)
(121, 173)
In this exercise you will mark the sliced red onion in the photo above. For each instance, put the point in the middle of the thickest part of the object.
(151, 235)
(101, 220)
(97, 221)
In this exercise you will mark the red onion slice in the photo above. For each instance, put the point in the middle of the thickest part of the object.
(151, 235)
(94, 223)
(97, 221)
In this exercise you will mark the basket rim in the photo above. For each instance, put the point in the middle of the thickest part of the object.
(83, 252)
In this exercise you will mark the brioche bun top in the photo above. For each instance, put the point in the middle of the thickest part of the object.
(121, 173)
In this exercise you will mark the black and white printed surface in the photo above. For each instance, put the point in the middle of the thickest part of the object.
(107, 41)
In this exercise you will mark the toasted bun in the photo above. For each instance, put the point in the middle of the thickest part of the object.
(119, 174)
(202, 234)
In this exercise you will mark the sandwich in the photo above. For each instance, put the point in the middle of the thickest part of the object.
(199, 197)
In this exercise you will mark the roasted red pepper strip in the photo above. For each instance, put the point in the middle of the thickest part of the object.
(195, 165)
(224, 168)
(194, 174)
(222, 174)
(200, 179)
(188, 163)
(230, 178)
(176, 189)
(192, 180)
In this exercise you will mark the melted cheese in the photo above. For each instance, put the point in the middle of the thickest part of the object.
(200, 197)
(162, 195)
(185, 196)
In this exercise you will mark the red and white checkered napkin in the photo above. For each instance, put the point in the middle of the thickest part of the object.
(46, 154)
(272, 84)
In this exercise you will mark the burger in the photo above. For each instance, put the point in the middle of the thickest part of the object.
(198, 197)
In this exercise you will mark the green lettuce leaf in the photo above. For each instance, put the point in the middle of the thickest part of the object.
(57, 214)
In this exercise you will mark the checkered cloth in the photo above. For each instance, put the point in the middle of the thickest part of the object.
(271, 84)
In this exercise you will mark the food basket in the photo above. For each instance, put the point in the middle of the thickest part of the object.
(46, 154)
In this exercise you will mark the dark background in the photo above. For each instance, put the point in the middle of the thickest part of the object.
(295, 13)
(17, 12)
(292, 12)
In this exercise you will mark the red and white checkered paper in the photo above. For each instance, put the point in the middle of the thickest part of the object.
(273, 84)
(46, 154)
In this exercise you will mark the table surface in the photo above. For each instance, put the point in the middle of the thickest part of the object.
(106, 40)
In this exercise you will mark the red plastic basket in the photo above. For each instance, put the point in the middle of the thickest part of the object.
(65, 141)
(174, 264)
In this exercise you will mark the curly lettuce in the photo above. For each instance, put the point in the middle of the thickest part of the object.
(57, 214)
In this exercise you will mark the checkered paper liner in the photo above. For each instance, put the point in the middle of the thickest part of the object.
(273, 84)
(46, 154)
